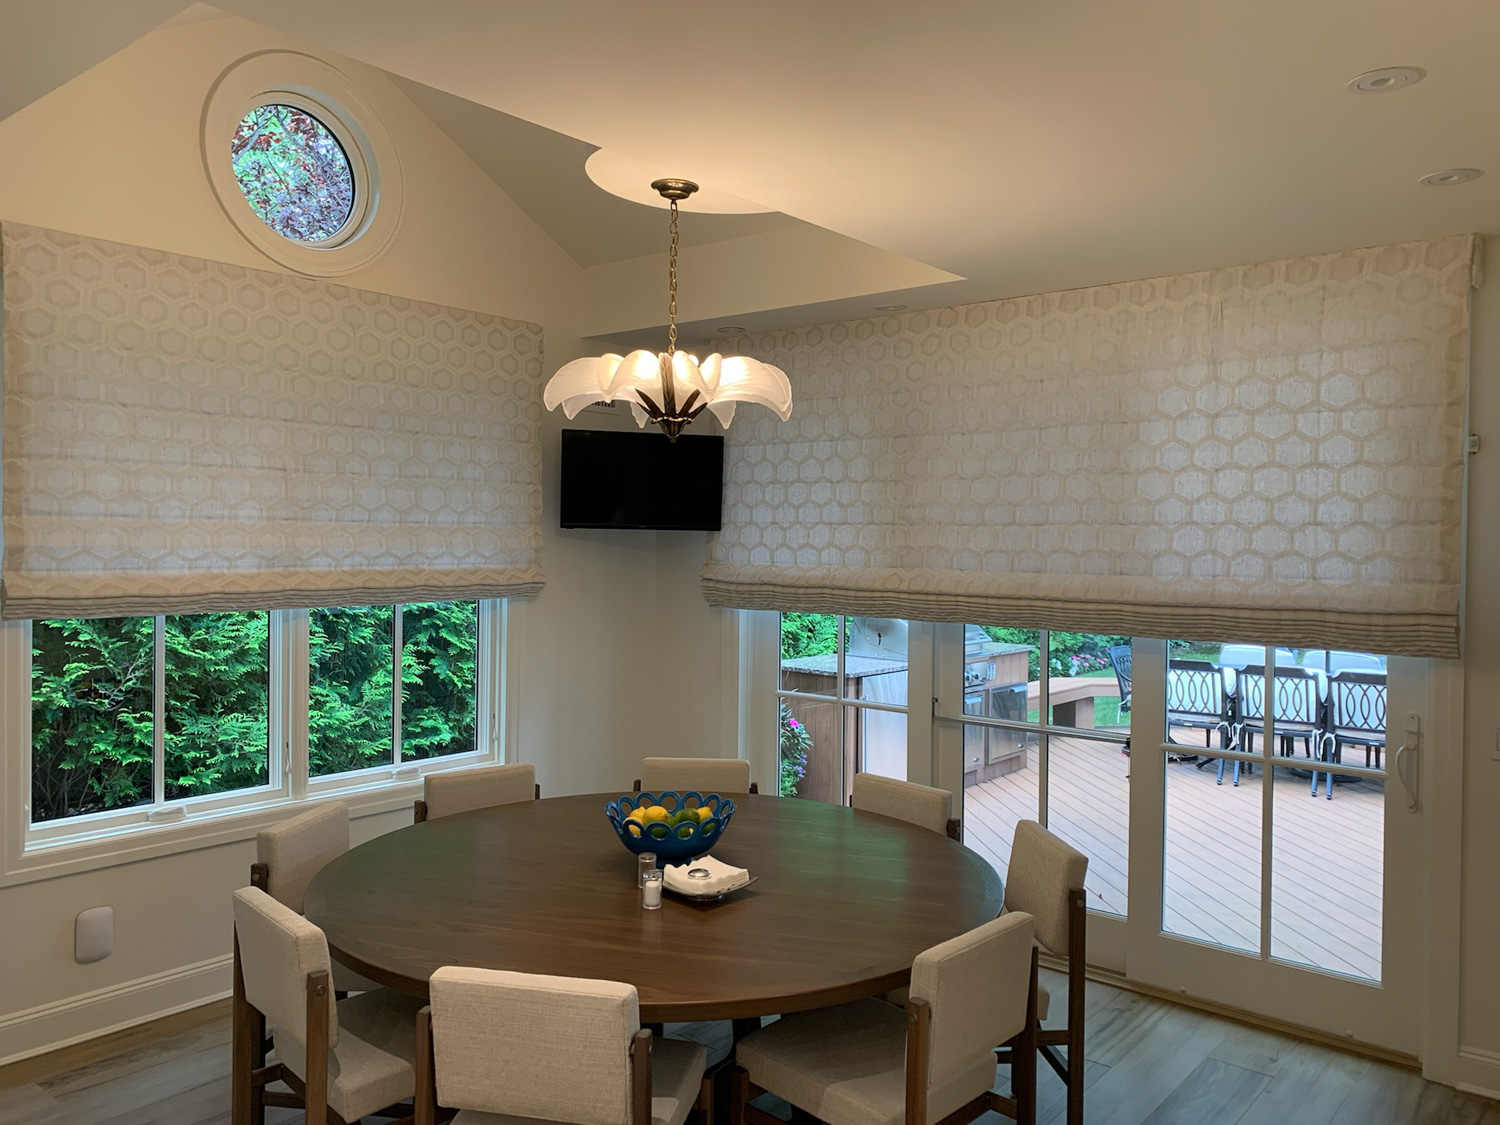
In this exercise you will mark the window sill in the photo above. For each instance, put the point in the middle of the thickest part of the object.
(109, 846)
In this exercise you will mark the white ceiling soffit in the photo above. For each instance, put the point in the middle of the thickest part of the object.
(543, 171)
(1025, 145)
(45, 43)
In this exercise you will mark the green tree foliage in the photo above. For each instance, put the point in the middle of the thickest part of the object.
(350, 705)
(437, 679)
(217, 703)
(795, 742)
(92, 728)
(293, 172)
(808, 634)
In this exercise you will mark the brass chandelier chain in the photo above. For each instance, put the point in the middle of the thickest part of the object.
(672, 286)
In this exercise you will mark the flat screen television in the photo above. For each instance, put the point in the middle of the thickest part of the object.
(613, 478)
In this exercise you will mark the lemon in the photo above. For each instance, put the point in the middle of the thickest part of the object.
(704, 812)
(633, 824)
(653, 813)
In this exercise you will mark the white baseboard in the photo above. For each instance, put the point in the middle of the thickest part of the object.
(49, 1027)
(1478, 1091)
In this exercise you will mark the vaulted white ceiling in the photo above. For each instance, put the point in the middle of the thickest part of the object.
(1023, 145)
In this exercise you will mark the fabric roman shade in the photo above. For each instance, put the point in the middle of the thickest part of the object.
(185, 436)
(1271, 453)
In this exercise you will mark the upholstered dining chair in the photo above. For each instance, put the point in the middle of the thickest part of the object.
(344, 1060)
(922, 805)
(1044, 880)
(289, 854)
(504, 1047)
(871, 1063)
(705, 775)
(484, 787)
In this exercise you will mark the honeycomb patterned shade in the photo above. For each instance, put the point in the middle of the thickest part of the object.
(1270, 453)
(184, 436)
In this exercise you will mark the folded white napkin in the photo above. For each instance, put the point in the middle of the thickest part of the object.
(720, 877)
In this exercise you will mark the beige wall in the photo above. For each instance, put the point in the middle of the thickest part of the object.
(114, 154)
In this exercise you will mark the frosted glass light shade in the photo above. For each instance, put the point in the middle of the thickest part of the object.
(639, 379)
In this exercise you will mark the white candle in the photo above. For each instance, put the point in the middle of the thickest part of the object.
(651, 891)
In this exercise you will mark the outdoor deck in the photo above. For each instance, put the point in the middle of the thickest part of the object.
(1327, 878)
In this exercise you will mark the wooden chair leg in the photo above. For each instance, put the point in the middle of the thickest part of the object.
(1023, 1057)
(640, 1078)
(739, 1095)
(315, 1096)
(243, 1041)
(706, 1101)
(424, 1100)
(1078, 917)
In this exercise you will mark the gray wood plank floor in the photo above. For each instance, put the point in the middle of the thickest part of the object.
(1149, 1063)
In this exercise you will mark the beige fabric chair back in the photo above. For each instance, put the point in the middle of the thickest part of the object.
(1043, 869)
(921, 805)
(297, 849)
(977, 984)
(278, 948)
(556, 1048)
(456, 791)
(706, 775)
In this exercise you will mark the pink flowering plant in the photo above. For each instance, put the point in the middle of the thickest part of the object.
(795, 742)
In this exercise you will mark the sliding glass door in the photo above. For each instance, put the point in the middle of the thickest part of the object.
(1038, 722)
(1275, 831)
(1251, 816)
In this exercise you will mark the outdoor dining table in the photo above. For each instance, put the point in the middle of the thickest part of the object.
(842, 903)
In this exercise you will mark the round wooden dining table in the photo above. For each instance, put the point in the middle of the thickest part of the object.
(842, 903)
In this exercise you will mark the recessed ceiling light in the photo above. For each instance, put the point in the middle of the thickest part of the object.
(1386, 79)
(731, 330)
(1450, 176)
(890, 308)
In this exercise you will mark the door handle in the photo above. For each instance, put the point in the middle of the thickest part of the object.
(1411, 750)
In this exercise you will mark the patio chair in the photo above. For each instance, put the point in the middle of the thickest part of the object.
(456, 791)
(1299, 709)
(344, 1060)
(1198, 697)
(1119, 658)
(1356, 713)
(518, 1047)
(1355, 716)
(869, 1063)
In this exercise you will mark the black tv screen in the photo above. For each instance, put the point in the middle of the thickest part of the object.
(641, 480)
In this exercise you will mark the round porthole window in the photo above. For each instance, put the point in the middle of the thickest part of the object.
(293, 172)
(301, 163)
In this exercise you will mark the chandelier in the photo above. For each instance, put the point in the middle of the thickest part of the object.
(670, 388)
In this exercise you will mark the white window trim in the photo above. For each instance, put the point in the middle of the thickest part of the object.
(129, 835)
(292, 78)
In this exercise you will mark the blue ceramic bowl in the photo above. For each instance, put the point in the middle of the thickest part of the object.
(688, 840)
